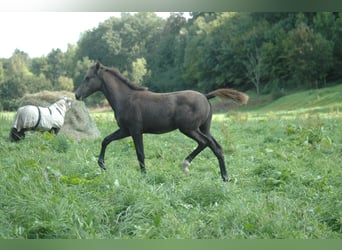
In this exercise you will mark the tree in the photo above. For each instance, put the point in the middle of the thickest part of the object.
(218, 49)
(80, 70)
(1, 72)
(336, 73)
(39, 65)
(19, 80)
(325, 24)
(120, 41)
(138, 70)
(56, 67)
(254, 67)
(200, 59)
(65, 83)
(19, 63)
(308, 55)
(167, 65)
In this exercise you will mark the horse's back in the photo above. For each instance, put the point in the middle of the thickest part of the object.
(178, 98)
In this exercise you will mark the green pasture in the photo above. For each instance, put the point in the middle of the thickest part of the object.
(284, 160)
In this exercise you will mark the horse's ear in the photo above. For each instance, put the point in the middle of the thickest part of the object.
(97, 65)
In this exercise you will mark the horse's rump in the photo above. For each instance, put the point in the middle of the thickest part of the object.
(26, 117)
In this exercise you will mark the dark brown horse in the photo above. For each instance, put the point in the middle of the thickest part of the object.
(139, 111)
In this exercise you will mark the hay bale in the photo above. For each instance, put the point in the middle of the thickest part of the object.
(77, 124)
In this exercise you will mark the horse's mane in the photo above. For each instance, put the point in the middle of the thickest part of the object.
(117, 74)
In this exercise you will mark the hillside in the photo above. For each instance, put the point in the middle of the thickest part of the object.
(318, 100)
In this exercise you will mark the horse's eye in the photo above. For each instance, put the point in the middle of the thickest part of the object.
(87, 78)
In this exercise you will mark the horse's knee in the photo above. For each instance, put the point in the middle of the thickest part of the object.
(108, 139)
(105, 142)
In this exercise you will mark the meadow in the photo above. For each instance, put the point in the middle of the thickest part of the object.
(284, 159)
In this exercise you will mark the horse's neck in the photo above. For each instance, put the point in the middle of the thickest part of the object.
(59, 106)
(115, 92)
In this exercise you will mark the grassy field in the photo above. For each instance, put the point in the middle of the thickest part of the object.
(284, 159)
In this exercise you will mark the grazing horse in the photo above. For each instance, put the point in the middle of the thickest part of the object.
(31, 117)
(139, 111)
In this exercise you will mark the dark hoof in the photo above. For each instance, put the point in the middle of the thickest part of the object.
(226, 179)
(101, 164)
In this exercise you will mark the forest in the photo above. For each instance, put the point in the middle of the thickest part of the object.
(265, 53)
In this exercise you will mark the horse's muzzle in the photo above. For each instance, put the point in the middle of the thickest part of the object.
(78, 97)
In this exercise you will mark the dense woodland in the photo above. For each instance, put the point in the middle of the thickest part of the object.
(268, 53)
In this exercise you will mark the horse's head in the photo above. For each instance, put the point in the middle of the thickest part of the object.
(65, 101)
(68, 102)
(91, 82)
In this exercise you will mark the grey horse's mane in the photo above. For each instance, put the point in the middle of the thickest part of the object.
(117, 74)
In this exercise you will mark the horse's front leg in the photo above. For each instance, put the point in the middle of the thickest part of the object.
(139, 148)
(119, 134)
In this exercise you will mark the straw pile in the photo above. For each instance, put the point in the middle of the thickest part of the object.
(77, 124)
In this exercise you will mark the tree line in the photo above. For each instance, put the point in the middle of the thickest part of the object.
(268, 53)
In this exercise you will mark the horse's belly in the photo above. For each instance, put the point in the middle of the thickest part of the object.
(159, 126)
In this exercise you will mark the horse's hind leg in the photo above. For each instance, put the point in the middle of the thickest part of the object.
(16, 136)
(217, 150)
(191, 156)
(201, 138)
(202, 141)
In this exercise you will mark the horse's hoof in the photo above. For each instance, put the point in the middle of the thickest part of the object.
(226, 179)
(186, 165)
(101, 164)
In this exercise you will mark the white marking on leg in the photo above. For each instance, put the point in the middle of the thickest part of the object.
(186, 165)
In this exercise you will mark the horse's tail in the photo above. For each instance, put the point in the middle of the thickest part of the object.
(236, 96)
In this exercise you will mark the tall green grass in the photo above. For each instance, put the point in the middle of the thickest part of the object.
(285, 169)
